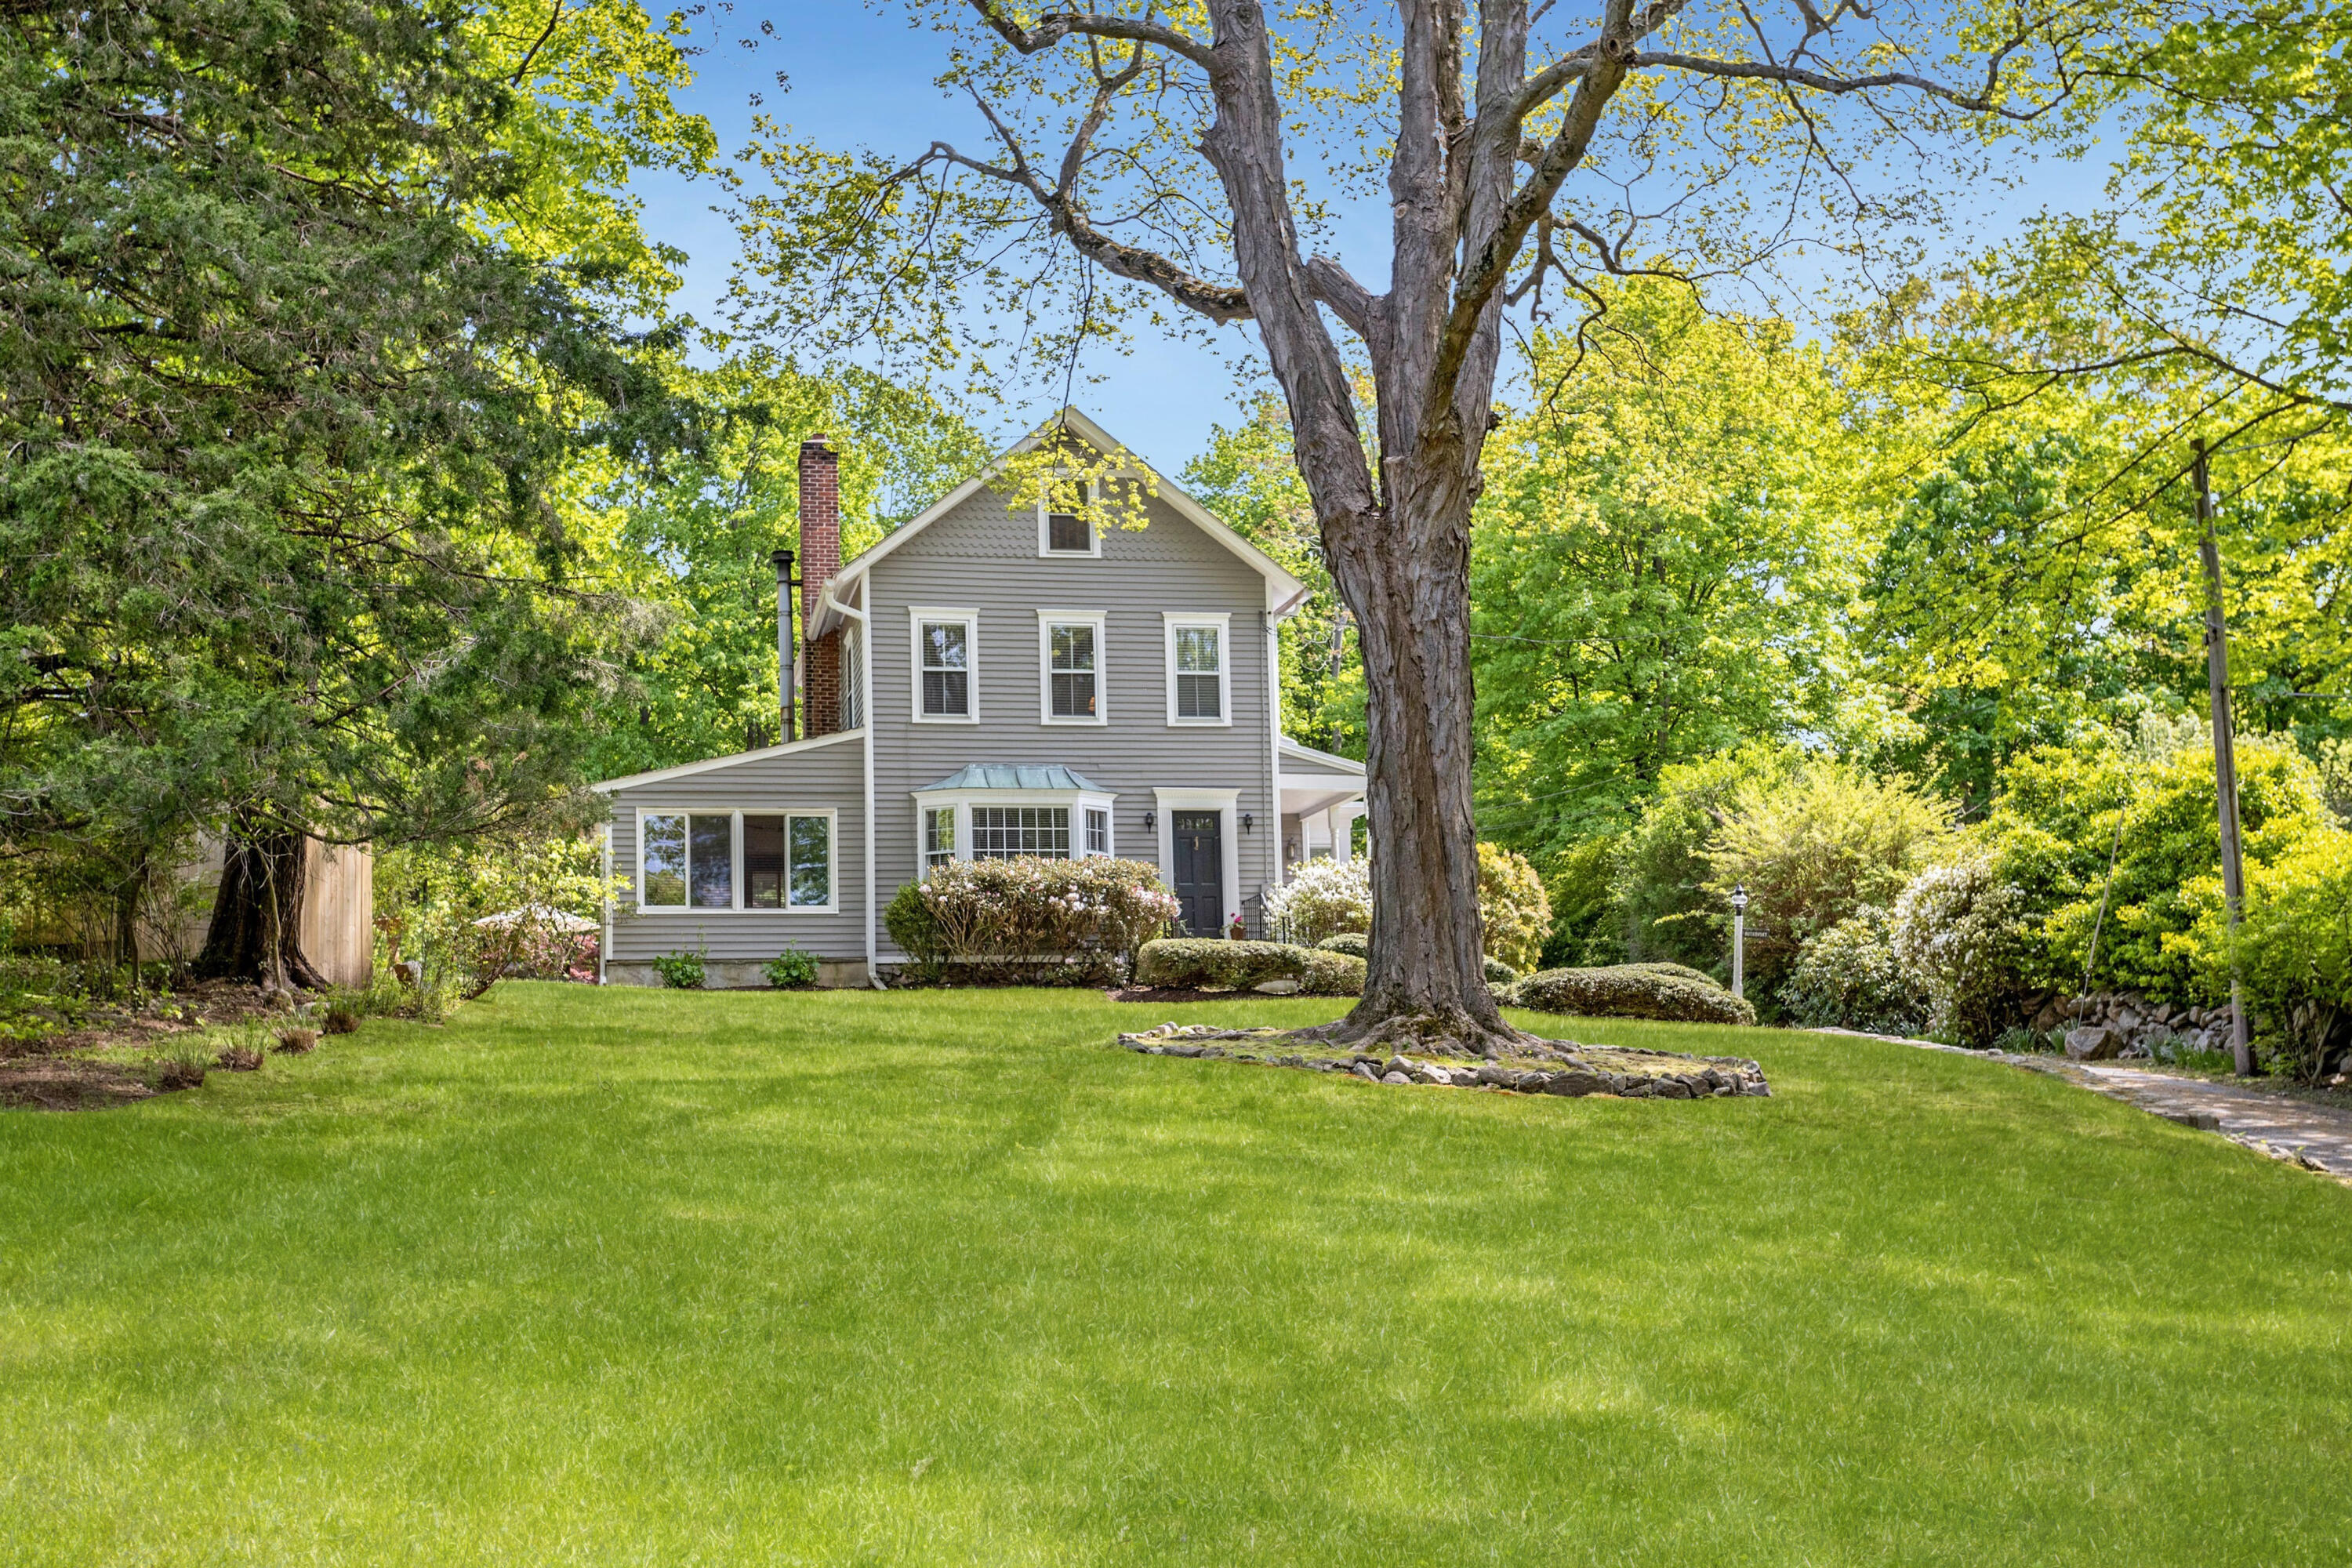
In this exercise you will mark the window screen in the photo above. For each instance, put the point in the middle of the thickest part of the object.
(711, 860)
(1067, 530)
(1073, 673)
(664, 853)
(947, 669)
(1199, 664)
(1008, 832)
(812, 861)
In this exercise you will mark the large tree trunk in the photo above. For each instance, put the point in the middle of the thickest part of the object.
(256, 926)
(1407, 579)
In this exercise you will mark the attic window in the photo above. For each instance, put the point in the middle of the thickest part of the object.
(1066, 530)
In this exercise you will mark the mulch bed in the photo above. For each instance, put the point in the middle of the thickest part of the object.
(57, 1072)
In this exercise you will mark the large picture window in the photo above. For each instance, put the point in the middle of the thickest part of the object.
(736, 861)
(1009, 831)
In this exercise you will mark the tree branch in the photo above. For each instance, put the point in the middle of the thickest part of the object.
(1055, 25)
(1979, 102)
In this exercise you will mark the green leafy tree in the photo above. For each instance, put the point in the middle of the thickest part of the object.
(288, 405)
(1665, 562)
(1140, 159)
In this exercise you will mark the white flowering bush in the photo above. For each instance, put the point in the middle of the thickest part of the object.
(1322, 898)
(1030, 919)
(1325, 899)
(1849, 977)
(1961, 931)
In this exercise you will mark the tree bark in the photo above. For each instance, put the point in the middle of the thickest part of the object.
(1425, 989)
(256, 932)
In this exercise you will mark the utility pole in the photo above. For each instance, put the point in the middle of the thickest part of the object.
(2225, 757)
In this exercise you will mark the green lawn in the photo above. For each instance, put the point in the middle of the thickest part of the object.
(665, 1279)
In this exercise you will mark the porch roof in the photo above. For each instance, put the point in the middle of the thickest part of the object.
(1013, 776)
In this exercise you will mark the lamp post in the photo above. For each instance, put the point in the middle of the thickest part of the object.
(1738, 938)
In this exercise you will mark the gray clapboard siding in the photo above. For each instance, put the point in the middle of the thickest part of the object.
(984, 556)
(825, 776)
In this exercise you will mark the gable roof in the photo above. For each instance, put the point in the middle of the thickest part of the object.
(1283, 591)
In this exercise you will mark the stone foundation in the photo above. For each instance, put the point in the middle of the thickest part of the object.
(727, 974)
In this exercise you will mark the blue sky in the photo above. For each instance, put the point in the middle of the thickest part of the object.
(862, 77)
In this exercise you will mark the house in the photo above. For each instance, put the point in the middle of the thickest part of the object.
(992, 680)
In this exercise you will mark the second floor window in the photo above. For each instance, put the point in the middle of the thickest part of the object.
(1073, 671)
(1199, 652)
(947, 668)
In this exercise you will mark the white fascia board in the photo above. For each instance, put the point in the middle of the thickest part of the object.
(1284, 593)
(687, 770)
(1328, 759)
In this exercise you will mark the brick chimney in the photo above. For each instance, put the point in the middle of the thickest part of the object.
(820, 552)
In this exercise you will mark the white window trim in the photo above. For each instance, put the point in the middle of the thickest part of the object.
(1171, 620)
(1076, 802)
(735, 857)
(1046, 621)
(916, 616)
(1093, 552)
(1226, 804)
(922, 838)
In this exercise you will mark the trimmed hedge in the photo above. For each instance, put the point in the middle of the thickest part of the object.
(1333, 974)
(1198, 961)
(1666, 991)
(1355, 944)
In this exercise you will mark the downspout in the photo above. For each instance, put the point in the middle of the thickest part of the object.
(604, 944)
(1273, 752)
(866, 745)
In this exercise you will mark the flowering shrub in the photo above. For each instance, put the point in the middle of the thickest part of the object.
(1322, 896)
(1962, 929)
(1030, 919)
(1329, 898)
(1849, 978)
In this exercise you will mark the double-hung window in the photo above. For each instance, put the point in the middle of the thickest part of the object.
(1098, 830)
(1010, 832)
(1199, 688)
(1070, 651)
(946, 665)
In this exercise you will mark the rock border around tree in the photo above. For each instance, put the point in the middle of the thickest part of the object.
(1552, 1067)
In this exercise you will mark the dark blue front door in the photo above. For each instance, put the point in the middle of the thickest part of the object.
(1200, 871)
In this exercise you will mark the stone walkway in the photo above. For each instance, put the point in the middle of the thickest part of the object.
(2316, 1137)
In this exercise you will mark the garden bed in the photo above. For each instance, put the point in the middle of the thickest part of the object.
(1551, 1066)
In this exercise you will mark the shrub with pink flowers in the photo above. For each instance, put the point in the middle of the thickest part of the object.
(1033, 920)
